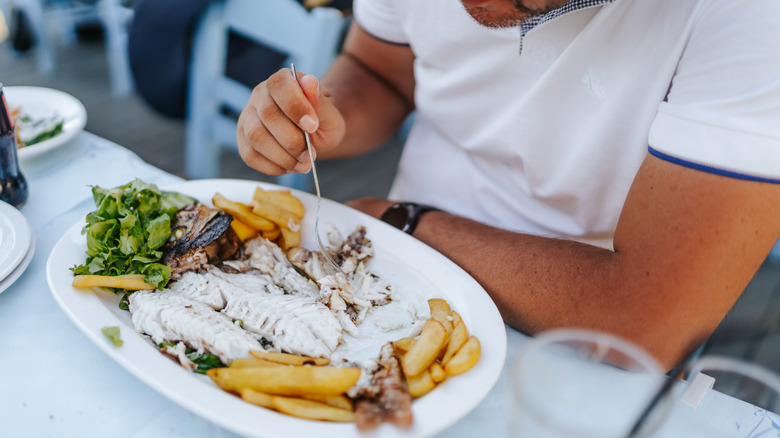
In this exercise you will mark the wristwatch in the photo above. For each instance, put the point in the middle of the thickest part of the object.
(405, 215)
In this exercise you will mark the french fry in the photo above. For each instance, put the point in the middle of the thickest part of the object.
(250, 362)
(282, 199)
(437, 373)
(289, 359)
(281, 217)
(129, 282)
(291, 381)
(404, 344)
(242, 212)
(466, 357)
(337, 401)
(311, 410)
(425, 350)
(459, 337)
(290, 238)
(271, 235)
(440, 311)
(340, 406)
(257, 398)
(420, 384)
(456, 319)
(242, 230)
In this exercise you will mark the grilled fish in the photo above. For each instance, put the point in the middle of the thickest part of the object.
(350, 298)
(169, 317)
(200, 236)
(296, 324)
(265, 257)
(385, 399)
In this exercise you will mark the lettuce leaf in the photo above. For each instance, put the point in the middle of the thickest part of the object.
(126, 230)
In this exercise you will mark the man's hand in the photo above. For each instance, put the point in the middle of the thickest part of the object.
(371, 81)
(269, 128)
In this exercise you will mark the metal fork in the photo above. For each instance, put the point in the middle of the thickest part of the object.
(319, 197)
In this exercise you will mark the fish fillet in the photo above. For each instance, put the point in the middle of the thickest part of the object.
(294, 324)
(170, 317)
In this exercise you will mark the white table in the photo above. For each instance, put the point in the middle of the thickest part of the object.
(55, 383)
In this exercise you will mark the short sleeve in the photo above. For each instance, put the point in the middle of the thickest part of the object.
(380, 19)
(722, 112)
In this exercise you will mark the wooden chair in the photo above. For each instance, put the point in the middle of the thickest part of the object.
(310, 38)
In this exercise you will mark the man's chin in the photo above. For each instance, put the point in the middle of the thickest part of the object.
(490, 18)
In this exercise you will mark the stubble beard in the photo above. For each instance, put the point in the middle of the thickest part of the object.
(521, 13)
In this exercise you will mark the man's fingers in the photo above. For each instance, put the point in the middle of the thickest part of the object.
(304, 161)
(270, 136)
(283, 130)
(311, 88)
(286, 90)
(274, 160)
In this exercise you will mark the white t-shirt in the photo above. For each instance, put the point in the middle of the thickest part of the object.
(543, 134)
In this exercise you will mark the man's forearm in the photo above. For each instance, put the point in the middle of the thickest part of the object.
(686, 245)
(541, 283)
(372, 85)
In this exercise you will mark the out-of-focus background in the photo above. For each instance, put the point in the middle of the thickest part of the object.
(75, 54)
(83, 47)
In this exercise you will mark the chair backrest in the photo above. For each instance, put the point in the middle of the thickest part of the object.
(116, 17)
(310, 38)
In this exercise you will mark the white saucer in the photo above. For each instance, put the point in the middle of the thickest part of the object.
(15, 239)
(6, 282)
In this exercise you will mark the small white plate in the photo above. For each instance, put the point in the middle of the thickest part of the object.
(15, 239)
(38, 102)
(6, 282)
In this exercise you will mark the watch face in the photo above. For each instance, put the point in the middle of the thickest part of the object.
(397, 216)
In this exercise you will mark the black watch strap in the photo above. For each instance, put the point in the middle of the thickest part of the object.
(405, 215)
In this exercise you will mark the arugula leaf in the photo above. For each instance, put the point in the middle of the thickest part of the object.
(112, 333)
(205, 362)
(126, 230)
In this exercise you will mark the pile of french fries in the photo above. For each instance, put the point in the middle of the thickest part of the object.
(300, 386)
(309, 388)
(274, 214)
(443, 348)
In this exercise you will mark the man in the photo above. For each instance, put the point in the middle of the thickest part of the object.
(532, 125)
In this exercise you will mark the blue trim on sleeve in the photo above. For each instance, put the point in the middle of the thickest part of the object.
(709, 169)
(378, 38)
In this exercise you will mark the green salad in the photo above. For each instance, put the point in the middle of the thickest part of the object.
(127, 229)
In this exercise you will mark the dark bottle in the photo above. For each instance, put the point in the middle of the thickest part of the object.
(13, 186)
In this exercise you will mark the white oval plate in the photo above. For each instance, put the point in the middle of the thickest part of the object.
(15, 239)
(44, 102)
(399, 259)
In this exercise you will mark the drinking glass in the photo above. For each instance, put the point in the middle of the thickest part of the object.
(725, 397)
(582, 383)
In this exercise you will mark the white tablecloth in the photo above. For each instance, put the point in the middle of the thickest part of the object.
(55, 383)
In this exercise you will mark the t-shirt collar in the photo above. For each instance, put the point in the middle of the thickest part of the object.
(570, 6)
